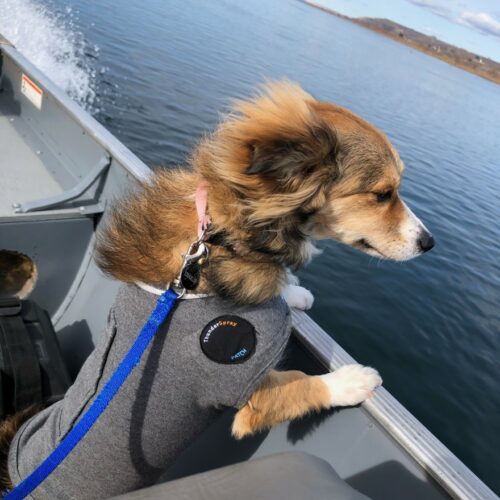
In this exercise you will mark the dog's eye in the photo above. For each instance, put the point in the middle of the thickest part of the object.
(385, 196)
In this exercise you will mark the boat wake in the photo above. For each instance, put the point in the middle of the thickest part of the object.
(51, 41)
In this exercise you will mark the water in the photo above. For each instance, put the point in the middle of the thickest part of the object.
(164, 71)
(50, 40)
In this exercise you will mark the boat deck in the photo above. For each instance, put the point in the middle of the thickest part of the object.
(25, 169)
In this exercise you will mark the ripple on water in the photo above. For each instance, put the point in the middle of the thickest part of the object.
(53, 44)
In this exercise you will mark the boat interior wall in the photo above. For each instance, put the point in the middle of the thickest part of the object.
(57, 248)
(361, 453)
(81, 318)
(45, 153)
(49, 149)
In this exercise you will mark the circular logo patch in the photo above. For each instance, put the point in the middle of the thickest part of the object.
(228, 340)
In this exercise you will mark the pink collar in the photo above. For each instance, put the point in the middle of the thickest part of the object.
(201, 199)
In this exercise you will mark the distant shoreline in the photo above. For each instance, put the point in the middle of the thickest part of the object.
(460, 58)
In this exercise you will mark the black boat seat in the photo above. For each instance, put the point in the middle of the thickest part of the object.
(284, 476)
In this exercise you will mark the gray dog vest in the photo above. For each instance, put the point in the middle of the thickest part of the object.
(209, 355)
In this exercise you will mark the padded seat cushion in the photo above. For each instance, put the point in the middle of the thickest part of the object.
(284, 476)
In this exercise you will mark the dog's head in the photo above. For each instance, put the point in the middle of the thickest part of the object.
(318, 171)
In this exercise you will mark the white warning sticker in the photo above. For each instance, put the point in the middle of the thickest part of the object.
(32, 91)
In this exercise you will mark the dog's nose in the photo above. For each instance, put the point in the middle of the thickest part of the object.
(425, 241)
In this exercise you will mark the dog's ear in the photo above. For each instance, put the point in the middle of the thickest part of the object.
(295, 155)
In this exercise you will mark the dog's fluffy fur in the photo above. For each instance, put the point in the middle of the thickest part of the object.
(18, 274)
(8, 429)
(282, 170)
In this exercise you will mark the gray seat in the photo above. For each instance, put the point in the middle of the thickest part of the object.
(284, 476)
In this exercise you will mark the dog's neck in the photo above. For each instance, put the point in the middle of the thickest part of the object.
(150, 231)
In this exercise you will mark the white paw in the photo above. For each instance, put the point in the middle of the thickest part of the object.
(351, 384)
(298, 297)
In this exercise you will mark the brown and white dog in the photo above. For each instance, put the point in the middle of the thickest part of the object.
(282, 170)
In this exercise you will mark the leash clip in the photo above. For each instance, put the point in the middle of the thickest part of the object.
(189, 274)
(197, 254)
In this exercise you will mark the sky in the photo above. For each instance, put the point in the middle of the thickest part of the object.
(471, 24)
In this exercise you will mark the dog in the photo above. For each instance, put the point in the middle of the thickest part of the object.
(282, 170)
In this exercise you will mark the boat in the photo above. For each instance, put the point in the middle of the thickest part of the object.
(59, 172)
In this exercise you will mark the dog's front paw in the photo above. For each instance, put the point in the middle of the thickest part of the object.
(351, 384)
(298, 297)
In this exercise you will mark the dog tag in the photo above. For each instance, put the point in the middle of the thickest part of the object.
(190, 276)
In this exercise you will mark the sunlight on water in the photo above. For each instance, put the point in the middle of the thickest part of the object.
(53, 44)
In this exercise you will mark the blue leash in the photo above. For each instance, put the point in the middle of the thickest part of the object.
(163, 308)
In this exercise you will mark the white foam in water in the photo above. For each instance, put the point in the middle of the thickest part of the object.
(53, 44)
